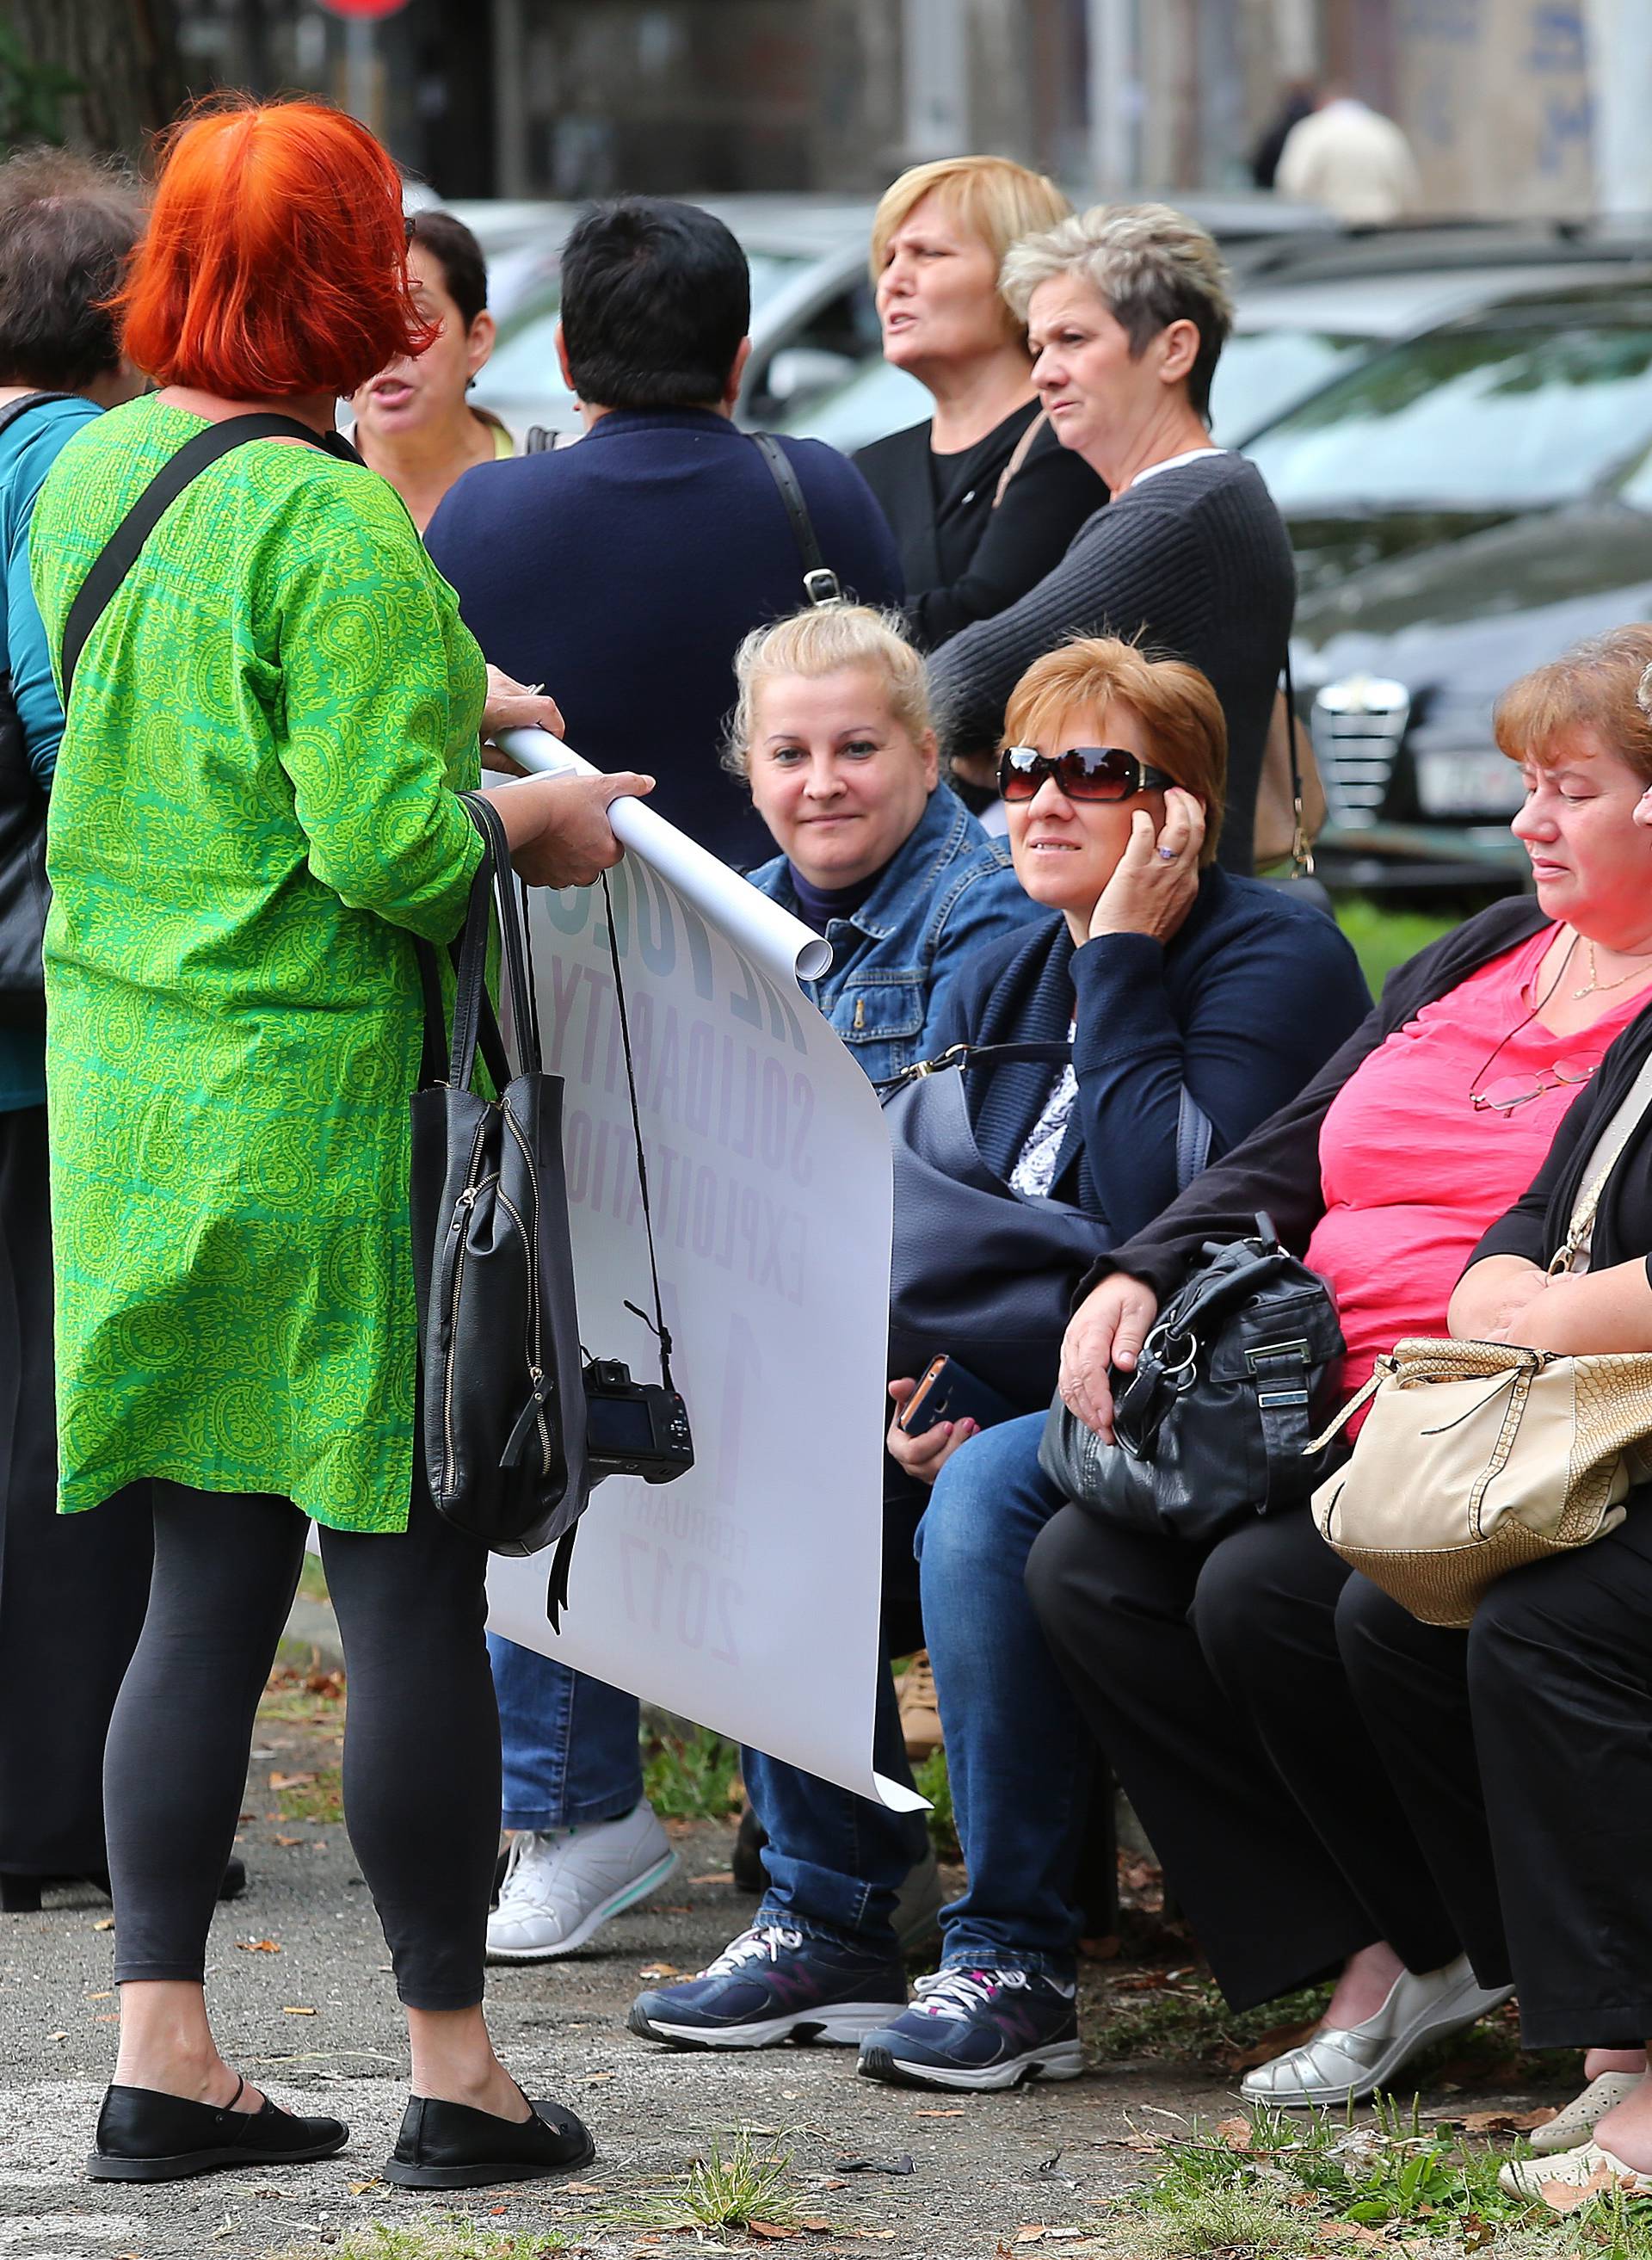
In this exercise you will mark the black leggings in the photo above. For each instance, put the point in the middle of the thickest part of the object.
(421, 1751)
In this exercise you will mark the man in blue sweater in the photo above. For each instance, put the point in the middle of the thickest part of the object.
(623, 572)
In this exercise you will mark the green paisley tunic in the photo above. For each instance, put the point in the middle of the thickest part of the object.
(254, 815)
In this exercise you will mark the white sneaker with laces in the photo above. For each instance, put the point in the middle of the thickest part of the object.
(561, 1884)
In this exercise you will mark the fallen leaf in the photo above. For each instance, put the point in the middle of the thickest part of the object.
(108, 2017)
(1502, 2122)
(1563, 2197)
(1030, 2234)
(290, 1780)
(320, 1844)
(107, 1923)
(1136, 2140)
(939, 2115)
(592, 2078)
(57, 2036)
(100, 1997)
(581, 2189)
(289, 1840)
(287, 2012)
(1238, 2134)
(770, 2230)
(361, 2189)
(816, 2227)
(499, 2208)
(659, 1969)
(257, 1946)
(718, 1876)
(881, 2235)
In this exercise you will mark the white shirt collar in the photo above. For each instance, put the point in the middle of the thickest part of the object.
(1175, 462)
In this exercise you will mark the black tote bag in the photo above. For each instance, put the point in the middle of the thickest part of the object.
(502, 1400)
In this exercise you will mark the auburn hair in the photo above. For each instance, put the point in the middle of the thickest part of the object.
(1604, 686)
(276, 260)
(1187, 730)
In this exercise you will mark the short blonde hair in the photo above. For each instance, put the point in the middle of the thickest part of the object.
(1605, 685)
(823, 641)
(992, 198)
(1184, 715)
(1149, 265)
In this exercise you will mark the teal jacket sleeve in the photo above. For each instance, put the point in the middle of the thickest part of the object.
(27, 653)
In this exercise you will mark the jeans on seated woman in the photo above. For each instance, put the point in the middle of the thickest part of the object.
(1170, 981)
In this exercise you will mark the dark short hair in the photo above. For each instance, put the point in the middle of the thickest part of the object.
(459, 255)
(656, 297)
(68, 225)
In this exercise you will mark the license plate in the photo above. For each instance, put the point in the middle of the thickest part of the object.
(1478, 784)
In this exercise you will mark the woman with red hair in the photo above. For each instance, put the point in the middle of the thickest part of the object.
(255, 815)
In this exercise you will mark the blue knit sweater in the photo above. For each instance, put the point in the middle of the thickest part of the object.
(1246, 1001)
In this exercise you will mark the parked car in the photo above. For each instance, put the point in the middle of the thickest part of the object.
(1464, 506)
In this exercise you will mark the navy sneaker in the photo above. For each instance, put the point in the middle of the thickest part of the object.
(774, 1985)
(978, 2028)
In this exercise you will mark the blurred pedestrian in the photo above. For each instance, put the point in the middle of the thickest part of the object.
(1352, 160)
(1127, 308)
(1299, 100)
(982, 498)
(626, 570)
(71, 1593)
(255, 813)
(413, 422)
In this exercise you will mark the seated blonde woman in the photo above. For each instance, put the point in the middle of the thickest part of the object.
(833, 734)
(1178, 982)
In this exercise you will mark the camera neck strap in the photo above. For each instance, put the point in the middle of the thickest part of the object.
(658, 1321)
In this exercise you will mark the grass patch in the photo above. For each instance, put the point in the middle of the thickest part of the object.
(1288, 2184)
(312, 1580)
(438, 2240)
(932, 1780)
(1383, 939)
(295, 1698)
(736, 2188)
(1180, 2015)
(319, 1797)
(692, 1777)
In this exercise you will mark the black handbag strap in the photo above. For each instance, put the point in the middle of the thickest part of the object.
(660, 1329)
(120, 553)
(821, 583)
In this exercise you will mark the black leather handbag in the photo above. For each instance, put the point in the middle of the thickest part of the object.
(1211, 1427)
(502, 1404)
(25, 897)
(978, 1271)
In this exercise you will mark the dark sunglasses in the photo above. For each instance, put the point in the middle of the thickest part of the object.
(1083, 773)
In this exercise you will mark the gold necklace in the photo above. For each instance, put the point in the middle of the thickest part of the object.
(1595, 983)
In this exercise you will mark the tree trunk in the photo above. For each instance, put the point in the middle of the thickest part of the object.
(124, 53)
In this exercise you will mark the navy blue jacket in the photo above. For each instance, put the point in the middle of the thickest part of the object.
(621, 573)
(949, 892)
(1244, 1004)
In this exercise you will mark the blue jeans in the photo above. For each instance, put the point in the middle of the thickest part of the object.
(569, 1742)
(1017, 1756)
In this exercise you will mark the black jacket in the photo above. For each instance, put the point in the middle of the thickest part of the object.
(964, 560)
(1276, 1169)
(1537, 1224)
(1241, 1006)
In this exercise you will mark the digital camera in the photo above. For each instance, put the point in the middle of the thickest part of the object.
(634, 1428)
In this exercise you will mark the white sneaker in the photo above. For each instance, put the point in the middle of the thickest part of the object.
(561, 1884)
(1339, 2065)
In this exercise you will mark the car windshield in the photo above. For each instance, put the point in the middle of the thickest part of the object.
(1262, 373)
(523, 366)
(874, 401)
(1468, 420)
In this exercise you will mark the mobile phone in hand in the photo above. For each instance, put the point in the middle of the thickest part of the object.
(949, 1391)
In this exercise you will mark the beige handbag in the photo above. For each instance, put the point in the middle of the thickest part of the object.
(1477, 1456)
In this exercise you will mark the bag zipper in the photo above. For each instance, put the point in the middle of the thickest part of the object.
(530, 1242)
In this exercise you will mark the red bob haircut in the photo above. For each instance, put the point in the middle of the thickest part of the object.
(275, 259)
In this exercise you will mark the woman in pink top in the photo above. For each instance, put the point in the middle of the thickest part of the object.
(1211, 1676)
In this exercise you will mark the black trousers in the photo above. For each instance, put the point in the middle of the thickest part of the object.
(421, 1751)
(1522, 1751)
(1211, 1679)
(73, 1588)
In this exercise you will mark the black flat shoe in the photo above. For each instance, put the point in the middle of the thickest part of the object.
(450, 2146)
(145, 2136)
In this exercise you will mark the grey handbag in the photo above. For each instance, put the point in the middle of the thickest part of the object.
(980, 1271)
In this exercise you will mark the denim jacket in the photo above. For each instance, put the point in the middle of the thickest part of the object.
(950, 890)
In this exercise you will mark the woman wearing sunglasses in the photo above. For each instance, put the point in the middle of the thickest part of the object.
(1180, 987)
(1212, 1675)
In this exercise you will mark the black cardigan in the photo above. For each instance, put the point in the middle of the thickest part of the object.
(1276, 1169)
(1537, 1224)
(962, 559)
(1239, 1008)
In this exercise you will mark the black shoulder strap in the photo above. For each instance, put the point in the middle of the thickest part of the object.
(821, 583)
(13, 409)
(119, 553)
